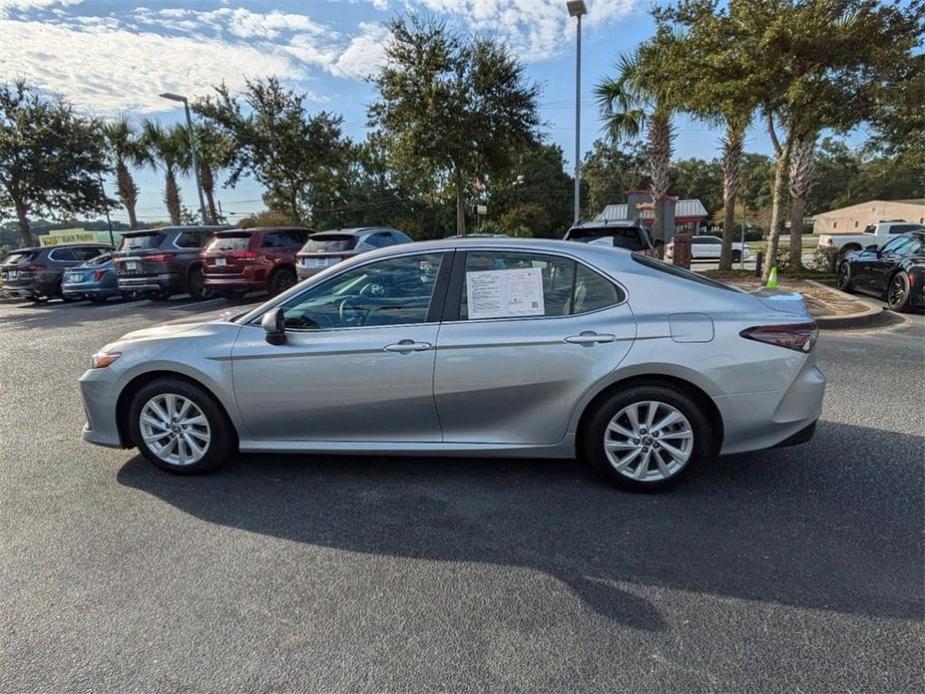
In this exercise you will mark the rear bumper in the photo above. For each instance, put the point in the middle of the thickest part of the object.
(305, 272)
(74, 291)
(15, 292)
(755, 421)
(164, 283)
(240, 282)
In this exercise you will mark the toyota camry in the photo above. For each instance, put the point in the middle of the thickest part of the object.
(473, 347)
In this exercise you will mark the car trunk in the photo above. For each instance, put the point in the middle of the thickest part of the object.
(782, 301)
(19, 269)
(228, 254)
(320, 252)
(140, 255)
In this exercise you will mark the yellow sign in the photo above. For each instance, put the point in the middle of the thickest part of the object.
(60, 236)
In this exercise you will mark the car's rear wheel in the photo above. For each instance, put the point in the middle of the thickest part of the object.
(196, 287)
(647, 437)
(179, 427)
(897, 294)
(281, 279)
(843, 277)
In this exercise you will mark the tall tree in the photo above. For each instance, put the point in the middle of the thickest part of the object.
(608, 172)
(125, 148)
(293, 155)
(214, 151)
(452, 110)
(50, 158)
(641, 97)
(170, 150)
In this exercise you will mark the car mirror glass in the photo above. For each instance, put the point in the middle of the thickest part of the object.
(274, 323)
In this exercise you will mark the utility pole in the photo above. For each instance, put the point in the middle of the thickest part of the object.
(577, 8)
(192, 145)
(112, 240)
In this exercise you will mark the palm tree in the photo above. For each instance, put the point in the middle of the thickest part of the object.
(800, 181)
(214, 152)
(637, 99)
(125, 148)
(169, 147)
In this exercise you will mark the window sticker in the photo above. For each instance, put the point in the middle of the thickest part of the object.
(505, 293)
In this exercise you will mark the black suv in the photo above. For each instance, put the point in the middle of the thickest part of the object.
(162, 262)
(628, 235)
(36, 273)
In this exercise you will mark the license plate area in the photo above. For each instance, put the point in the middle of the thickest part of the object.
(220, 262)
(320, 262)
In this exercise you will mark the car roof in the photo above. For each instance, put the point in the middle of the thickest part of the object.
(353, 231)
(179, 227)
(605, 223)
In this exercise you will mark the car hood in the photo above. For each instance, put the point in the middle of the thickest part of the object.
(162, 331)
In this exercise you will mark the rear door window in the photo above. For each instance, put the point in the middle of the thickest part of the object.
(141, 242)
(330, 244)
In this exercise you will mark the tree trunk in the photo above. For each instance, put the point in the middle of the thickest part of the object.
(128, 192)
(25, 230)
(172, 197)
(780, 180)
(732, 157)
(207, 180)
(659, 162)
(801, 175)
(460, 204)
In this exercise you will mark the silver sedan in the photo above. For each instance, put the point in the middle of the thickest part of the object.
(476, 347)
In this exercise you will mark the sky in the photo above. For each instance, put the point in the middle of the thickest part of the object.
(117, 56)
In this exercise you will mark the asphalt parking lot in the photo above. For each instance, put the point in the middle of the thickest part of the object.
(798, 569)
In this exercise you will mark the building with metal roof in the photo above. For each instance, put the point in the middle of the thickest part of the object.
(685, 212)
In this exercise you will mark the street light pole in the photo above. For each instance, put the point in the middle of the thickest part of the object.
(577, 8)
(192, 145)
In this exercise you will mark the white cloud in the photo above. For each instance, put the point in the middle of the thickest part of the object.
(364, 54)
(534, 29)
(107, 70)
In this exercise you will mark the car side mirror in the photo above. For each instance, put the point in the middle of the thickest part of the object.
(274, 323)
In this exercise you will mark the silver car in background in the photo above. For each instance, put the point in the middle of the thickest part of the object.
(327, 248)
(481, 347)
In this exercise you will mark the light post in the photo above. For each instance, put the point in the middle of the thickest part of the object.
(192, 145)
(577, 8)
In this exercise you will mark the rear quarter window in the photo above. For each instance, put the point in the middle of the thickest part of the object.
(675, 271)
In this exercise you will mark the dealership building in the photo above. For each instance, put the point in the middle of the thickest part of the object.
(853, 219)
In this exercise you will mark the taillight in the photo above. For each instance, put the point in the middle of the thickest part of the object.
(798, 336)
(99, 275)
(34, 268)
(158, 257)
(243, 255)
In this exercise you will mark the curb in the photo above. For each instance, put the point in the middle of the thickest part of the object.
(873, 315)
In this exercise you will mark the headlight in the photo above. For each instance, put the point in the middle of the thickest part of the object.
(101, 360)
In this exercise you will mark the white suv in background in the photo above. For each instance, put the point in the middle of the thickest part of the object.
(709, 247)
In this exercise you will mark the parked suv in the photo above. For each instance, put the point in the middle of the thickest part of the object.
(246, 260)
(94, 280)
(36, 273)
(620, 234)
(162, 262)
(327, 248)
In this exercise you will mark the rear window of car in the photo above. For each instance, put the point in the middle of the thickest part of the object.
(19, 258)
(669, 269)
(140, 242)
(330, 244)
(235, 241)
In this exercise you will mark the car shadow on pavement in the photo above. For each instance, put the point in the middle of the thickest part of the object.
(832, 525)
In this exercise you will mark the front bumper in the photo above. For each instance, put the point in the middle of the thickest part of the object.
(98, 389)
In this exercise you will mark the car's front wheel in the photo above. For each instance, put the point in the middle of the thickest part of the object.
(897, 295)
(647, 437)
(843, 277)
(179, 427)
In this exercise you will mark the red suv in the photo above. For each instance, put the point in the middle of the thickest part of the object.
(246, 260)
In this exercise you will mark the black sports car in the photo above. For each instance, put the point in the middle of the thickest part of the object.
(895, 272)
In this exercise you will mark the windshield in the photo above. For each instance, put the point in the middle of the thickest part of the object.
(330, 244)
(19, 258)
(670, 269)
(236, 241)
(140, 242)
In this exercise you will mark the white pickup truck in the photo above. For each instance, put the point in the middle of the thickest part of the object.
(873, 235)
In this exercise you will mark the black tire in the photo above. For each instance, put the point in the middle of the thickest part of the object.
(597, 428)
(850, 248)
(737, 256)
(223, 439)
(898, 292)
(843, 277)
(281, 279)
(196, 287)
(157, 295)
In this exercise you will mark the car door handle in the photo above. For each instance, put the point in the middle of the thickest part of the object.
(590, 337)
(406, 346)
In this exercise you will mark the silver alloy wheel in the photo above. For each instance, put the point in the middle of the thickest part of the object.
(648, 441)
(175, 429)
